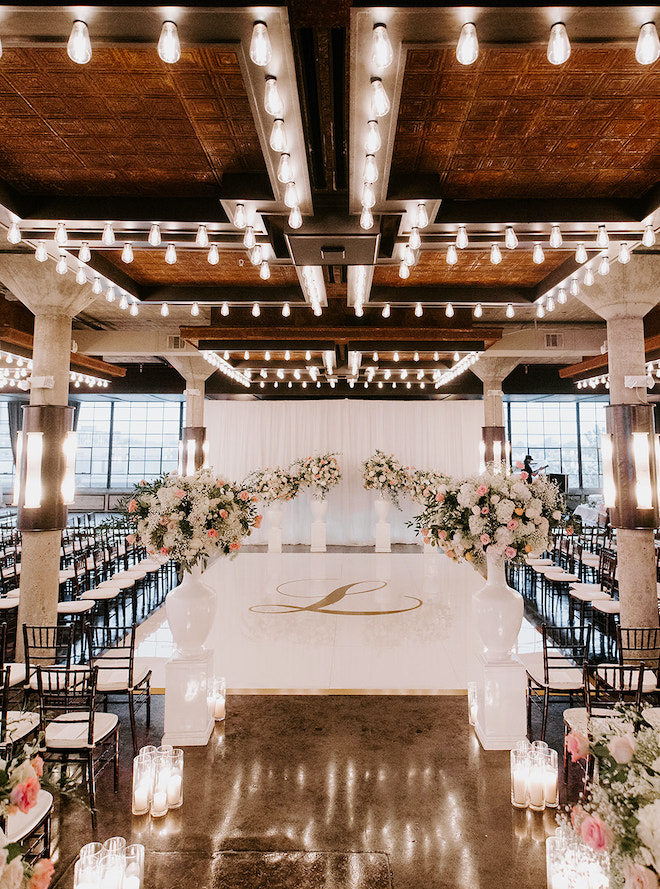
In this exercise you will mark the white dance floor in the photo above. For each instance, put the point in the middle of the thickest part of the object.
(335, 622)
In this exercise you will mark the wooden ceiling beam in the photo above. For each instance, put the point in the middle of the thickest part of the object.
(343, 335)
(600, 363)
(9, 336)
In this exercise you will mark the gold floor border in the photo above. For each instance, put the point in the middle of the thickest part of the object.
(403, 692)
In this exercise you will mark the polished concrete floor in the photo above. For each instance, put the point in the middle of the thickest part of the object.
(327, 791)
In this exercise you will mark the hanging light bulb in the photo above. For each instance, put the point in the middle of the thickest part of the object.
(368, 195)
(14, 235)
(260, 48)
(561, 296)
(249, 239)
(452, 255)
(550, 304)
(169, 48)
(246, 355)
(457, 357)
(61, 236)
(291, 195)
(648, 238)
(123, 302)
(602, 238)
(370, 169)
(84, 254)
(581, 254)
(478, 310)
(256, 310)
(510, 311)
(495, 254)
(267, 355)
(256, 255)
(422, 216)
(295, 217)
(226, 355)
(272, 99)
(127, 252)
(419, 311)
(373, 142)
(287, 355)
(359, 311)
(559, 47)
(404, 270)
(264, 271)
(436, 356)
(382, 53)
(510, 238)
(604, 266)
(286, 310)
(386, 311)
(588, 277)
(213, 257)
(110, 296)
(366, 219)
(416, 356)
(284, 168)
(449, 310)
(624, 253)
(202, 237)
(81, 276)
(61, 266)
(170, 254)
(462, 237)
(308, 355)
(108, 236)
(224, 311)
(164, 310)
(556, 239)
(648, 45)
(134, 309)
(409, 255)
(277, 137)
(574, 289)
(79, 47)
(540, 311)
(154, 235)
(96, 286)
(395, 357)
(380, 104)
(538, 255)
(467, 49)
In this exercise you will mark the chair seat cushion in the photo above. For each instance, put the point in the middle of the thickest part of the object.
(117, 582)
(607, 606)
(75, 607)
(610, 675)
(110, 680)
(566, 678)
(16, 673)
(96, 594)
(22, 824)
(67, 732)
(591, 559)
(588, 592)
(8, 602)
(562, 577)
(20, 723)
(530, 561)
(575, 718)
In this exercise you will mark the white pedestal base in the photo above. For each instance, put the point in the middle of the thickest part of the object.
(429, 550)
(274, 540)
(383, 537)
(188, 700)
(318, 538)
(501, 720)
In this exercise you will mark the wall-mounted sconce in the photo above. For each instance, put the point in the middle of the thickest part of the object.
(493, 450)
(193, 450)
(46, 464)
(630, 452)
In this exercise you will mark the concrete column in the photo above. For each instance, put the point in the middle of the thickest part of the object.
(492, 370)
(54, 300)
(623, 298)
(195, 370)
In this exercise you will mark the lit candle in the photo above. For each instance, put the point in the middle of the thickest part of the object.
(550, 787)
(173, 790)
(131, 882)
(520, 786)
(140, 800)
(219, 711)
(536, 787)
(559, 881)
(159, 803)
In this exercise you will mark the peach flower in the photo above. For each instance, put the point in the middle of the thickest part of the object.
(212, 533)
(439, 498)
(257, 521)
(442, 535)
(512, 524)
(235, 546)
(596, 834)
(509, 552)
(37, 764)
(481, 490)
(244, 495)
(130, 538)
(577, 745)
(24, 795)
(180, 492)
(639, 877)
(223, 513)
(485, 510)
(485, 538)
(132, 505)
(41, 874)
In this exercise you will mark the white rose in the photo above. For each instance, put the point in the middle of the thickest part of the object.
(12, 875)
(648, 829)
(556, 515)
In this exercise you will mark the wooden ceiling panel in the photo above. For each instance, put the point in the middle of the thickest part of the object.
(594, 113)
(153, 125)
(473, 268)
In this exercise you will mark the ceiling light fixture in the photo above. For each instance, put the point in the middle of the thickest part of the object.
(416, 356)
(272, 99)
(264, 271)
(386, 311)
(154, 235)
(277, 137)
(14, 235)
(295, 218)
(202, 237)
(368, 195)
(495, 254)
(467, 49)
(61, 236)
(308, 357)
(287, 355)
(510, 238)
(380, 103)
(213, 257)
(462, 237)
(648, 238)
(382, 53)
(419, 311)
(624, 253)
(291, 195)
(286, 310)
(81, 275)
(581, 254)
(409, 255)
(169, 47)
(647, 50)
(373, 142)
(510, 312)
(366, 219)
(604, 266)
(602, 238)
(256, 311)
(194, 310)
(478, 310)
(538, 256)
(246, 355)
(134, 309)
(561, 296)
(110, 296)
(556, 239)
(589, 277)
(559, 46)
(249, 239)
(452, 255)
(550, 304)
(40, 253)
(164, 310)
(436, 356)
(123, 302)
(449, 310)
(284, 168)
(256, 255)
(224, 311)
(225, 368)
(240, 216)
(540, 311)
(404, 270)
(61, 266)
(370, 169)
(96, 286)
(395, 357)
(226, 355)
(574, 289)
(108, 236)
(127, 252)
(260, 48)
(170, 254)
(84, 254)
(422, 216)
(79, 47)
(457, 357)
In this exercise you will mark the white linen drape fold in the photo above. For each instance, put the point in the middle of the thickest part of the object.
(244, 436)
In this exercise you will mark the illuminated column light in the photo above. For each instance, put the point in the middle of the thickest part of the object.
(642, 460)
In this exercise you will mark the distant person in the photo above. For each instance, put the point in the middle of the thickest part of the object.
(528, 467)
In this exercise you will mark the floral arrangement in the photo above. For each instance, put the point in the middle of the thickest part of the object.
(424, 483)
(621, 815)
(383, 472)
(19, 790)
(191, 518)
(274, 484)
(504, 512)
(320, 473)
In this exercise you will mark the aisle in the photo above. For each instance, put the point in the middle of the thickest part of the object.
(298, 622)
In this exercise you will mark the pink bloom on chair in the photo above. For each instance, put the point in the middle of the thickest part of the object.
(130, 538)
(622, 747)
(180, 492)
(524, 475)
(639, 877)
(234, 546)
(481, 490)
(596, 834)
(442, 535)
(164, 520)
(485, 510)
(509, 552)
(512, 524)
(212, 533)
(223, 513)
(24, 796)
(257, 521)
(485, 538)
(37, 764)
(244, 495)
(164, 550)
(132, 505)
(41, 874)
(439, 498)
(577, 745)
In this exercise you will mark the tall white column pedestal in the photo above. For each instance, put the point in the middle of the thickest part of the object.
(501, 720)
(429, 550)
(188, 700)
(383, 537)
(274, 540)
(318, 538)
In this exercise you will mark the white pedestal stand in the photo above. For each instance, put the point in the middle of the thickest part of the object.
(501, 719)
(275, 527)
(429, 550)
(190, 610)
(383, 538)
(319, 509)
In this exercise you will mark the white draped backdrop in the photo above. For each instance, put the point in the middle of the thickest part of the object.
(244, 436)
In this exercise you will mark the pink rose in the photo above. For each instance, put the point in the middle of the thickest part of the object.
(524, 475)
(578, 815)
(132, 505)
(37, 764)
(130, 538)
(425, 532)
(164, 520)
(510, 552)
(244, 495)
(442, 535)
(596, 834)
(481, 490)
(439, 498)
(519, 464)
(485, 538)
(257, 521)
(622, 747)
(485, 510)
(180, 493)
(164, 550)
(223, 513)
(639, 877)
(577, 745)
(512, 525)
(234, 546)
(212, 533)
(24, 796)
(41, 874)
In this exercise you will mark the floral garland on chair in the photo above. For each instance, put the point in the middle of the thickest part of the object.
(383, 472)
(320, 473)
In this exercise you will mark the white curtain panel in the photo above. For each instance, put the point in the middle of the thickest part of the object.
(244, 436)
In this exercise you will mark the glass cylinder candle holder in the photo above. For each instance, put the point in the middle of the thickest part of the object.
(143, 782)
(87, 872)
(175, 780)
(90, 849)
(219, 699)
(472, 702)
(149, 750)
(159, 805)
(519, 778)
(536, 781)
(551, 774)
(112, 869)
(134, 872)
